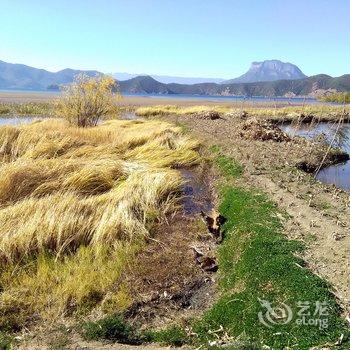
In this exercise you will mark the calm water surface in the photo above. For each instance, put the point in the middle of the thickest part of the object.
(199, 98)
(339, 174)
(17, 120)
(218, 98)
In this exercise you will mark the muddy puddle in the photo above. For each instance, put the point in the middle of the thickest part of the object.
(23, 119)
(196, 194)
(339, 136)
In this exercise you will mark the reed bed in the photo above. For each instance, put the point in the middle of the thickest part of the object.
(325, 112)
(73, 201)
(26, 108)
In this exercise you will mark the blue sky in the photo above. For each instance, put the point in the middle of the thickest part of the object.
(204, 38)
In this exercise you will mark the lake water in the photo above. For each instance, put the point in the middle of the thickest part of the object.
(187, 97)
(339, 174)
(253, 99)
(17, 120)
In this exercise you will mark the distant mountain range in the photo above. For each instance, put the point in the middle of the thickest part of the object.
(167, 79)
(268, 78)
(259, 71)
(311, 86)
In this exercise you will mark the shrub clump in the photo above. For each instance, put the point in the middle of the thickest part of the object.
(87, 100)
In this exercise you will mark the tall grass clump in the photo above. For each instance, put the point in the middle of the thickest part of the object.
(339, 97)
(178, 110)
(75, 206)
(87, 100)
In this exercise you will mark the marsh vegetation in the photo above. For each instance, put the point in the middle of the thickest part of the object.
(75, 205)
(273, 113)
(339, 97)
(26, 108)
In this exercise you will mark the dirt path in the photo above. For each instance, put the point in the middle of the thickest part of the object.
(77, 343)
(116, 346)
(318, 213)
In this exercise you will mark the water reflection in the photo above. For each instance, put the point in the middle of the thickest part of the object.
(339, 174)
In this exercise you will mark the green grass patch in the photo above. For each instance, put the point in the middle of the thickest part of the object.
(258, 263)
(215, 149)
(112, 328)
(184, 127)
(229, 167)
(173, 336)
(115, 328)
(6, 341)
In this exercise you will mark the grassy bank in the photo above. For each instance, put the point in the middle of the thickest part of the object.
(291, 113)
(257, 263)
(75, 206)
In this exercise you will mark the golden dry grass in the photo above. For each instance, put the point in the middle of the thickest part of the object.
(178, 110)
(279, 112)
(75, 204)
